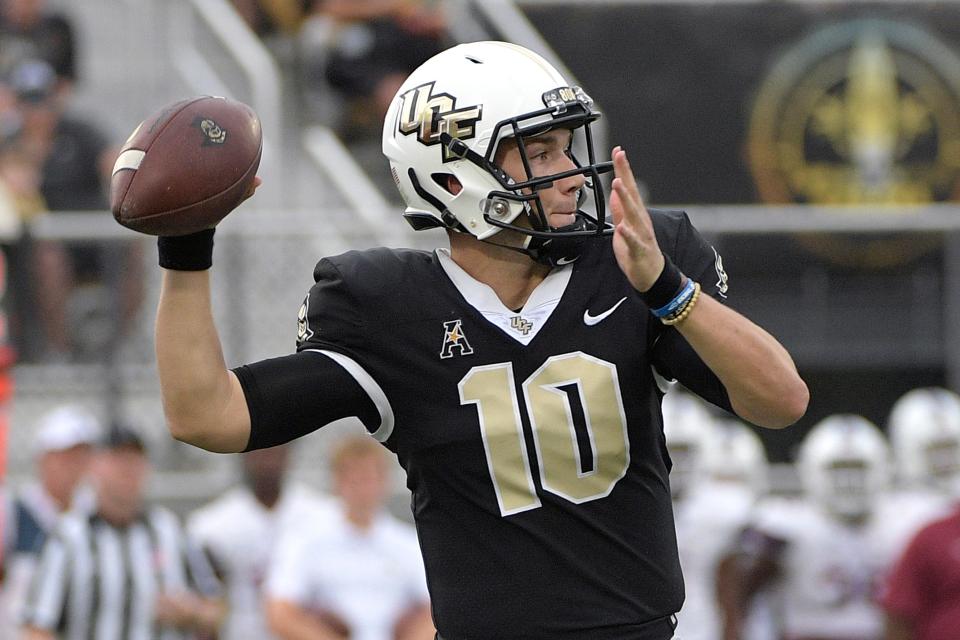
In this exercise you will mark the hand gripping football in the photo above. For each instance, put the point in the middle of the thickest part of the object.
(186, 167)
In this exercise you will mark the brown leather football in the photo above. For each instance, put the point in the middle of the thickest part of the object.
(187, 166)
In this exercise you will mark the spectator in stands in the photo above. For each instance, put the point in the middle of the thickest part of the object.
(922, 595)
(374, 45)
(240, 529)
(29, 31)
(273, 17)
(75, 162)
(63, 449)
(128, 570)
(358, 575)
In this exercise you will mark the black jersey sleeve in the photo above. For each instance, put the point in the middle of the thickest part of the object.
(673, 357)
(294, 395)
(330, 316)
(324, 381)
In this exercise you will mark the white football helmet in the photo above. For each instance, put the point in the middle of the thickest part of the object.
(688, 428)
(736, 454)
(448, 118)
(925, 434)
(844, 465)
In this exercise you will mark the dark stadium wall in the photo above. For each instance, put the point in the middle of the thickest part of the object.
(683, 87)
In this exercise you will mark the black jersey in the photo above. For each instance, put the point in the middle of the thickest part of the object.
(532, 439)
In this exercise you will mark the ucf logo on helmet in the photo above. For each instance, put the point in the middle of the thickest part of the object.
(430, 114)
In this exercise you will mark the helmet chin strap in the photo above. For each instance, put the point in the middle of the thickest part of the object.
(557, 251)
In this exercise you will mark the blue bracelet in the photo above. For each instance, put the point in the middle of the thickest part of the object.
(681, 299)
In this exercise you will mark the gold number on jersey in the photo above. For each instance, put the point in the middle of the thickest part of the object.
(492, 388)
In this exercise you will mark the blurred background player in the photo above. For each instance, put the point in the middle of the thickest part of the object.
(718, 474)
(821, 557)
(736, 458)
(240, 530)
(63, 450)
(687, 426)
(922, 595)
(924, 429)
(125, 571)
(358, 575)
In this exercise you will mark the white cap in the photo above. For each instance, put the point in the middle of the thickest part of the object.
(66, 427)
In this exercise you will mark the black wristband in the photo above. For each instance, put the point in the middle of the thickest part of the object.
(667, 286)
(193, 252)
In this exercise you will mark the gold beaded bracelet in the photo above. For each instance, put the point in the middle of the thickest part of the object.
(681, 314)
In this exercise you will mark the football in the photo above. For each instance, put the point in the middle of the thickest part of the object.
(187, 166)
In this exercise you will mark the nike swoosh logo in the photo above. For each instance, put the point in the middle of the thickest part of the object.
(565, 261)
(590, 320)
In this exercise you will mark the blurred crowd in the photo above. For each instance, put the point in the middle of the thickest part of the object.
(84, 548)
(358, 50)
(867, 547)
(54, 161)
(74, 300)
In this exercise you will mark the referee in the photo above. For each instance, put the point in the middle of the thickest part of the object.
(127, 572)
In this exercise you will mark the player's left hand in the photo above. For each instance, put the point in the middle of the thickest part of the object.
(634, 242)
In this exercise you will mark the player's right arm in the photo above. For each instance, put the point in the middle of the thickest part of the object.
(203, 401)
(261, 404)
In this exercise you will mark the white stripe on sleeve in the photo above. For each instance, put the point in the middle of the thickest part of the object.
(366, 381)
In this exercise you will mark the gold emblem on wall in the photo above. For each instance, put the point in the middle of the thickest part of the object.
(867, 113)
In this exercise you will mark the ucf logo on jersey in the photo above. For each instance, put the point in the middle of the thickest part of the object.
(518, 323)
(428, 115)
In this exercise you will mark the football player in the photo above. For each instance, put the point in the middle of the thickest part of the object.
(924, 428)
(821, 558)
(687, 427)
(718, 474)
(512, 373)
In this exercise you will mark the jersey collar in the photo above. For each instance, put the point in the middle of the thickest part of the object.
(522, 325)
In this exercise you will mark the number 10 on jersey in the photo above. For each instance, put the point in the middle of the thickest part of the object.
(547, 393)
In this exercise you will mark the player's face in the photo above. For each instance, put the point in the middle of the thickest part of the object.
(362, 484)
(61, 471)
(547, 154)
(851, 495)
(121, 475)
(266, 465)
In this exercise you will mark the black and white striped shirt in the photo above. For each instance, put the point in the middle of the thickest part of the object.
(95, 581)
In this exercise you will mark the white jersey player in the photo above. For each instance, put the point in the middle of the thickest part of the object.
(719, 469)
(361, 575)
(241, 533)
(366, 578)
(822, 557)
(687, 426)
(924, 429)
